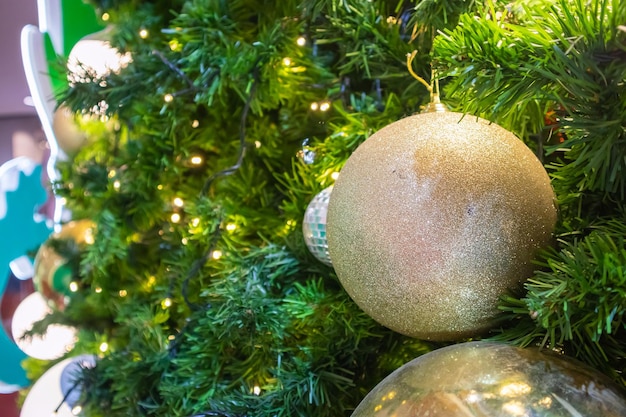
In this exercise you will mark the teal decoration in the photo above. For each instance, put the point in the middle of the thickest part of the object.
(23, 230)
(61, 279)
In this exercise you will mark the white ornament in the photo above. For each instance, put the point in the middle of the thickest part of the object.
(93, 55)
(46, 397)
(56, 342)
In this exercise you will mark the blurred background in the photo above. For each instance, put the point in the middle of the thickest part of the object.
(20, 135)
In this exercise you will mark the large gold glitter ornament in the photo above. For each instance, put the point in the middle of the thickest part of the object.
(493, 380)
(433, 218)
(52, 275)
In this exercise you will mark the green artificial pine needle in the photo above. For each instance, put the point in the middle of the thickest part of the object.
(204, 152)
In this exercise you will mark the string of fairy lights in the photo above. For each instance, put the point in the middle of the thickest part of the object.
(177, 204)
(198, 160)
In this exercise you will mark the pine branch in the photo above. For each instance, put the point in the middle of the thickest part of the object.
(568, 55)
(577, 302)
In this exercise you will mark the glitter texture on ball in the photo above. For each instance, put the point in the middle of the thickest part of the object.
(434, 218)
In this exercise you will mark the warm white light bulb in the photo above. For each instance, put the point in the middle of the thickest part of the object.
(301, 41)
(104, 346)
(88, 237)
(175, 218)
(175, 45)
(217, 254)
(178, 202)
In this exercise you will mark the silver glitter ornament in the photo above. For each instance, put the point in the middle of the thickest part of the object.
(307, 156)
(434, 218)
(493, 380)
(314, 226)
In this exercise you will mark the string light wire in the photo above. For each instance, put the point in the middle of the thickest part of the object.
(197, 265)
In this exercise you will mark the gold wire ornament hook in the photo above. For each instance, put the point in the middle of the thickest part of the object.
(434, 80)
(409, 64)
(435, 105)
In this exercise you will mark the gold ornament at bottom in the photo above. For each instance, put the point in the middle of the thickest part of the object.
(53, 275)
(493, 380)
(435, 217)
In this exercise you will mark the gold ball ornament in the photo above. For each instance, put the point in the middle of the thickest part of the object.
(493, 380)
(67, 132)
(53, 275)
(435, 217)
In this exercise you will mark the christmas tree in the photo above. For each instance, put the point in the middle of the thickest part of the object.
(199, 294)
